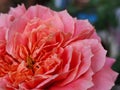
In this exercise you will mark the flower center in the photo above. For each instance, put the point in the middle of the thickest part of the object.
(30, 62)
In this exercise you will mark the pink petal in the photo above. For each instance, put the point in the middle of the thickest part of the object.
(12, 44)
(4, 83)
(67, 56)
(105, 78)
(68, 22)
(57, 22)
(17, 27)
(21, 66)
(75, 61)
(2, 34)
(85, 61)
(99, 54)
(34, 82)
(83, 83)
(18, 11)
(85, 34)
(5, 20)
(95, 36)
(47, 81)
(78, 65)
(81, 25)
(39, 11)
(2, 40)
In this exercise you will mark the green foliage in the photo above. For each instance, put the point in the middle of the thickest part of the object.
(116, 65)
(105, 10)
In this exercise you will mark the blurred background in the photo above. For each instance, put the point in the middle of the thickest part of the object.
(104, 15)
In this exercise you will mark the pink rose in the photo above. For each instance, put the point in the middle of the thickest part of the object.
(42, 49)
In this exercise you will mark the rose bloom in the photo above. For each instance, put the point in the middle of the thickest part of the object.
(41, 49)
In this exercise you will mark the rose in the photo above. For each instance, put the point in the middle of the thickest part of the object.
(42, 49)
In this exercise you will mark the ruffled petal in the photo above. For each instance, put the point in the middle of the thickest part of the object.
(68, 22)
(18, 11)
(5, 20)
(81, 25)
(104, 79)
(83, 83)
(99, 54)
(39, 11)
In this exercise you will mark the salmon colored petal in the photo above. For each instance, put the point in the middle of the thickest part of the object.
(83, 83)
(85, 34)
(33, 82)
(5, 20)
(79, 61)
(2, 34)
(17, 12)
(57, 22)
(68, 22)
(95, 36)
(3, 83)
(99, 54)
(17, 27)
(75, 61)
(104, 79)
(81, 25)
(12, 47)
(67, 57)
(2, 40)
(39, 11)
(85, 61)
(47, 81)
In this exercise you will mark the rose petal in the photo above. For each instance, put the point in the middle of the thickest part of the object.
(95, 36)
(5, 20)
(39, 11)
(49, 80)
(75, 61)
(98, 51)
(67, 56)
(18, 11)
(85, 61)
(57, 22)
(68, 22)
(104, 79)
(17, 27)
(81, 25)
(5, 84)
(83, 83)
(2, 34)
